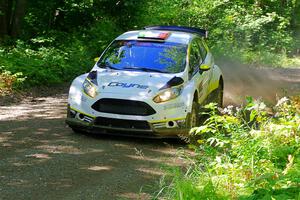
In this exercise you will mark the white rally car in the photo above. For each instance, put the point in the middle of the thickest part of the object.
(149, 82)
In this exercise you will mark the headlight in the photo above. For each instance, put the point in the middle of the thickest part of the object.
(167, 94)
(89, 88)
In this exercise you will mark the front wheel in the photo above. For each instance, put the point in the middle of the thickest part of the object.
(75, 129)
(191, 122)
(193, 118)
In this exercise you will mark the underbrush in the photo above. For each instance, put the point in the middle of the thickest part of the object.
(53, 59)
(293, 62)
(8, 80)
(250, 152)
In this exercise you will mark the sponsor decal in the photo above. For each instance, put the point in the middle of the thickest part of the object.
(127, 85)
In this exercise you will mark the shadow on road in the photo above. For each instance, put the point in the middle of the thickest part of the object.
(43, 159)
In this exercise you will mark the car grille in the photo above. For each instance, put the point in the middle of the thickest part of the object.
(123, 107)
(122, 123)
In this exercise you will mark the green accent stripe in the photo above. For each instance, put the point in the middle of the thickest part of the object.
(83, 112)
(165, 120)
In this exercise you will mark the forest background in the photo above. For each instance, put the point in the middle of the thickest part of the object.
(51, 42)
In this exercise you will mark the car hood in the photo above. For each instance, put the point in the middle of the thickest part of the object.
(132, 82)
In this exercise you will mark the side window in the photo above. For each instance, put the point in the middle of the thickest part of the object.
(203, 50)
(195, 57)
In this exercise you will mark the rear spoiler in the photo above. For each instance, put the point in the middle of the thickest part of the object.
(198, 31)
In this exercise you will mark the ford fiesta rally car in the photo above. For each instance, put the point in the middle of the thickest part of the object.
(149, 82)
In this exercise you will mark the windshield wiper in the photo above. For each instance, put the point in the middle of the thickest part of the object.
(105, 65)
(145, 69)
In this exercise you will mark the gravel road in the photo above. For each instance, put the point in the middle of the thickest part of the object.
(41, 158)
(269, 84)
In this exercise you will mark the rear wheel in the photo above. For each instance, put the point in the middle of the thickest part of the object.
(219, 95)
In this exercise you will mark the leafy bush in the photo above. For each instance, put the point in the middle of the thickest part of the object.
(8, 80)
(63, 37)
(57, 58)
(251, 152)
(251, 31)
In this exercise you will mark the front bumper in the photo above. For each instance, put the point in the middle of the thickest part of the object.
(137, 128)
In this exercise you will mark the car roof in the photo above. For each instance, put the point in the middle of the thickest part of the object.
(174, 36)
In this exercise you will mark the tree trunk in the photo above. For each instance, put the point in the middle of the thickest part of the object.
(17, 17)
(297, 14)
(296, 25)
(4, 20)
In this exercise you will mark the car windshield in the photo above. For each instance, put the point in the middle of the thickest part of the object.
(150, 56)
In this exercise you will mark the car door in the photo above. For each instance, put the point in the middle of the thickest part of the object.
(206, 75)
(195, 60)
(199, 55)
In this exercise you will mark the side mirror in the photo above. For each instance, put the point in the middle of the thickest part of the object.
(96, 59)
(204, 67)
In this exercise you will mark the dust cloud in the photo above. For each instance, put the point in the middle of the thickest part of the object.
(268, 84)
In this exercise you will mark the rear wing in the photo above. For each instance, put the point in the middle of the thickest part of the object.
(198, 31)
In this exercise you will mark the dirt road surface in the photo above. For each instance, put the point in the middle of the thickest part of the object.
(268, 84)
(41, 158)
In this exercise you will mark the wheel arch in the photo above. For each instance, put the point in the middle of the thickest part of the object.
(216, 77)
(221, 82)
(196, 96)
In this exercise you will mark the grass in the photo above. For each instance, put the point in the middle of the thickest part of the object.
(293, 62)
(249, 152)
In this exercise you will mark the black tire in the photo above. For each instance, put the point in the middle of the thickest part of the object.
(75, 130)
(219, 95)
(192, 121)
(193, 118)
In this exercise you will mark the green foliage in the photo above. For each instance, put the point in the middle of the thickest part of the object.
(252, 152)
(43, 66)
(74, 15)
(48, 60)
(63, 37)
(251, 31)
